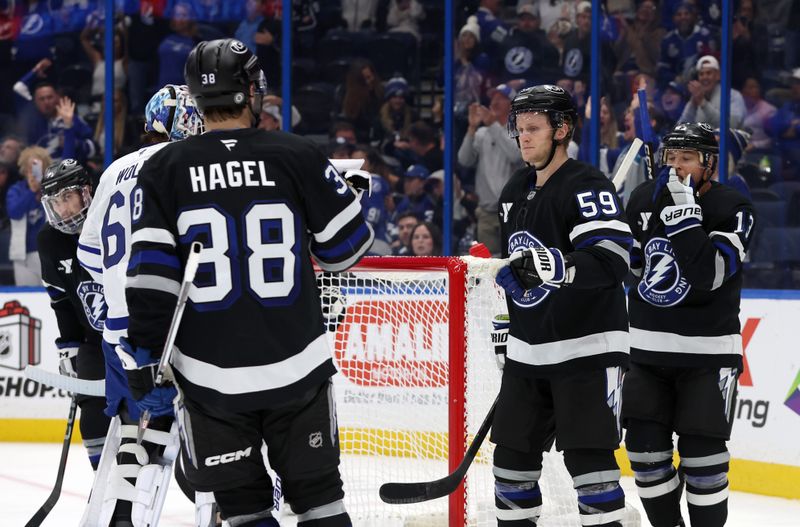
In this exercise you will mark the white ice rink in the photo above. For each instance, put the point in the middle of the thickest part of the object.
(27, 472)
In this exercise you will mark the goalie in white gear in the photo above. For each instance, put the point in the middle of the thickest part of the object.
(132, 479)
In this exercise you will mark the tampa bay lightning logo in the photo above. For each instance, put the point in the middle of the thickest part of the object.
(94, 303)
(518, 59)
(519, 241)
(573, 62)
(662, 283)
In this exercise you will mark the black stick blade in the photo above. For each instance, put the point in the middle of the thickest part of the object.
(403, 493)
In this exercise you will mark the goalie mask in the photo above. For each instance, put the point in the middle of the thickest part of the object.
(173, 112)
(547, 99)
(66, 195)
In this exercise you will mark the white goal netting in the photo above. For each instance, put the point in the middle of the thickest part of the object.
(411, 339)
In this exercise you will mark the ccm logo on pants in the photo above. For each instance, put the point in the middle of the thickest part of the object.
(227, 458)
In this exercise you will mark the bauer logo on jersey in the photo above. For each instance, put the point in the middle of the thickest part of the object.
(519, 241)
(94, 303)
(662, 283)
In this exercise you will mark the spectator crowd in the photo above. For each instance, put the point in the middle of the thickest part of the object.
(367, 82)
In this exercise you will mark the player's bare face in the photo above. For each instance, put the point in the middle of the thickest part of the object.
(686, 162)
(68, 203)
(535, 137)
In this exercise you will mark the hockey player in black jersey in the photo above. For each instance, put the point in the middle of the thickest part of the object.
(251, 358)
(75, 297)
(690, 238)
(564, 233)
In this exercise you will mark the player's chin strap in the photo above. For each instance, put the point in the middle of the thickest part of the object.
(255, 108)
(554, 144)
(705, 178)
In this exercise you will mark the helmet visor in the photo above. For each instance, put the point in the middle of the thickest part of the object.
(66, 209)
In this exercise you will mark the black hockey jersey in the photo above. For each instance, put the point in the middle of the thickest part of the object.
(582, 324)
(261, 203)
(75, 297)
(684, 309)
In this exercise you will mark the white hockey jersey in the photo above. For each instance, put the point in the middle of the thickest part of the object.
(105, 242)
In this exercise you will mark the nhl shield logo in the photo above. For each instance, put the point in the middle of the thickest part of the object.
(520, 241)
(315, 440)
(662, 283)
(94, 303)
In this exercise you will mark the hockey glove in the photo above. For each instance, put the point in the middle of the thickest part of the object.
(360, 181)
(67, 358)
(685, 213)
(500, 325)
(538, 265)
(505, 278)
(680, 192)
(141, 367)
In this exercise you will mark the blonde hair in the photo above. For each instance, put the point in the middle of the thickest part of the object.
(33, 152)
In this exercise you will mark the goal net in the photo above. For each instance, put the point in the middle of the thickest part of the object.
(417, 376)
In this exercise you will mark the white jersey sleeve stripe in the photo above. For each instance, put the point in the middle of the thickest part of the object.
(158, 283)
(153, 235)
(341, 266)
(247, 379)
(589, 226)
(336, 224)
(733, 239)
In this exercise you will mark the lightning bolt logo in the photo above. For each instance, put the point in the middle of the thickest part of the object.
(98, 307)
(660, 270)
(614, 394)
(662, 283)
(94, 303)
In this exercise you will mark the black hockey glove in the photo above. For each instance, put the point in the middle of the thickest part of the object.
(140, 368)
(537, 265)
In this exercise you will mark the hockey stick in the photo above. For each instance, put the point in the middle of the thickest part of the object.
(398, 493)
(625, 166)
(65, 382)
(51, 500)
(192, 261)
(647, 134)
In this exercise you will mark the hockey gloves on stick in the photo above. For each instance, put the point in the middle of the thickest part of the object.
(141, 367)
(360, 181)
(67, 357)
(538, 265)
(500, 325)
(684, 213)
(531, 268)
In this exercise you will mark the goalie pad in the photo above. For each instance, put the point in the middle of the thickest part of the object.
(152, 477)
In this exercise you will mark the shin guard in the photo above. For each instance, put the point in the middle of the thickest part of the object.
(704, 465)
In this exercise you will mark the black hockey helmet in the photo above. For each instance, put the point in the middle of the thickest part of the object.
(544, 98)
(551, 100)
(692, 136)
(66, 195)
(219, 74)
